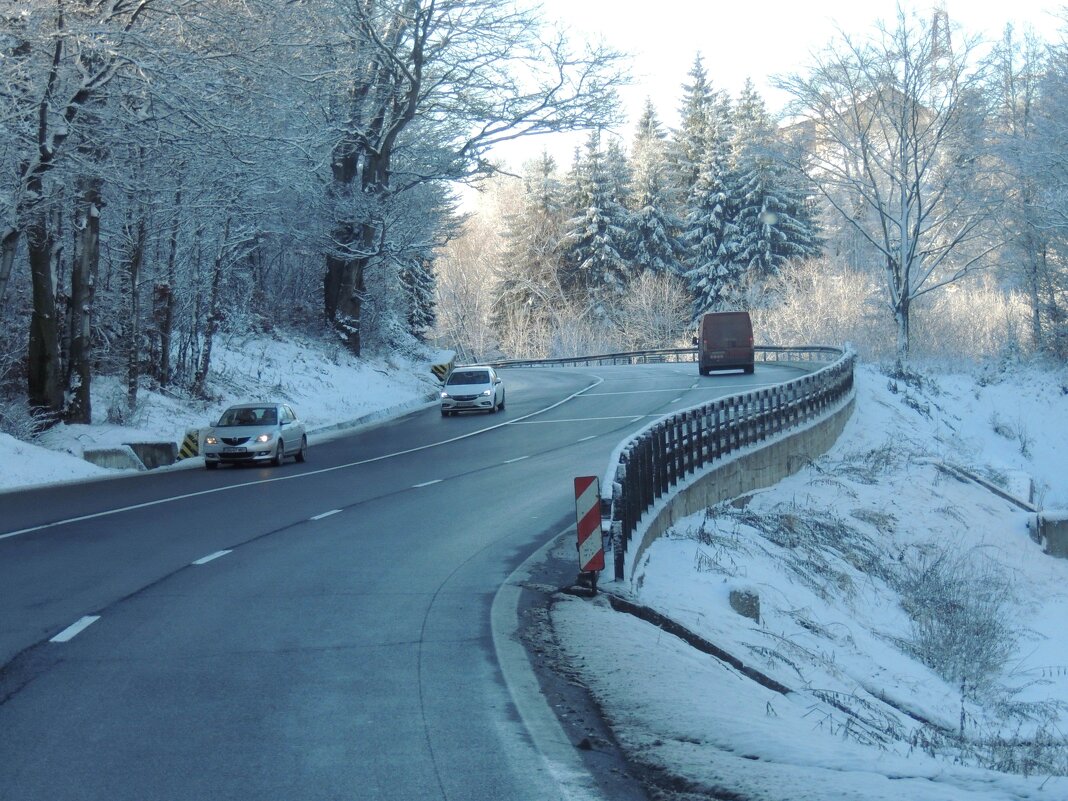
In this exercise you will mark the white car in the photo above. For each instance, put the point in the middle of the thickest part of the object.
(472, 389)
(255, 432)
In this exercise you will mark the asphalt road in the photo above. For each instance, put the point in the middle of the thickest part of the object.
(316, 631)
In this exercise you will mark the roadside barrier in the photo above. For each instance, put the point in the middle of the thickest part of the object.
(653, 461)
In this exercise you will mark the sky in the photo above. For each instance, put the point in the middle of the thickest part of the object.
(849, 727)
(743, 39)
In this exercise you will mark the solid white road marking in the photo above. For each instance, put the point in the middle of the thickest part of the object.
(327, 514)
(74, 630)
(427, 483)
(211, 556)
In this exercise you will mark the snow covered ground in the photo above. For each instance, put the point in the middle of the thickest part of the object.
(863, 563)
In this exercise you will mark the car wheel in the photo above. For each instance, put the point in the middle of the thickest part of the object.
(502, 401)
(211, 465)
(302, 454)
(279, 454)
(444, 413)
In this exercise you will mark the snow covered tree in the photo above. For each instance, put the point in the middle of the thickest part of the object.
(885, 121)
(530, 287)
(467, 74)
(714, 276)
(654, 245)
(772, 223)
(595, 239)
(689, 142)
(1031, 118)
(417, 278)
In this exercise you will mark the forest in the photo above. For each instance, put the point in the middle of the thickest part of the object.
(173, 169)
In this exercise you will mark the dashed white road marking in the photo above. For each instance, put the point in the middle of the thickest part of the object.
(676, 400)
(587, 439)
(631, 392)
(75, 629)
(577, 420)
(211, 557)
(427, 483)
(516, 459)
(327, 514)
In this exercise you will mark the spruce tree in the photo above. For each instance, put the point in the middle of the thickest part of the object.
(655, 244)
(596, 237)
(417, 278)
(772, 223)
(530, 280)
(713, 275)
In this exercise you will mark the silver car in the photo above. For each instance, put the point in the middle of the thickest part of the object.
(255, 432)
(472, 389)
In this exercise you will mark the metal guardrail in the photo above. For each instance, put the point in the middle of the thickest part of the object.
(766, 353)
(654, 459)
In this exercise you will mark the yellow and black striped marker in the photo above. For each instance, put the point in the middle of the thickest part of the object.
(442, 370)
(190, 444)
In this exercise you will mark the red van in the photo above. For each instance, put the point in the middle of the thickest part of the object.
(725, 342)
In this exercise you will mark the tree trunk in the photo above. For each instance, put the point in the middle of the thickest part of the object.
(83, 277)
(212, 326)
(344, 288)
(165, 298)
(343, 282)
(133, 328)
(44, 379)
(901, 317)
(8, 245)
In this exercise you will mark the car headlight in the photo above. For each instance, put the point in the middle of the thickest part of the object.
(264, 438)
(444, 394)
(487, 392)
(211, 439)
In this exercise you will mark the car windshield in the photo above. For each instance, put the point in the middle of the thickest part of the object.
(469, 377)
(249, 416)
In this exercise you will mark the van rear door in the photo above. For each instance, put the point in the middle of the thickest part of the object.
(725, 342)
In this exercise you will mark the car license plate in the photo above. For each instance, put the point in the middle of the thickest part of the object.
(234, 450)
(716, 354)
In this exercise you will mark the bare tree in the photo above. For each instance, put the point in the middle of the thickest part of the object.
(888, 125)
(462, 75)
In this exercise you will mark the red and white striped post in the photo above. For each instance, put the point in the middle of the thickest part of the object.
(590, 543)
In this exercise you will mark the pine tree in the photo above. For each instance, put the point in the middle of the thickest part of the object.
(713, 275)
(531, 281)
(655, 244)
(417, 278)
(596, 237)
(688, 143)
(772, 223)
